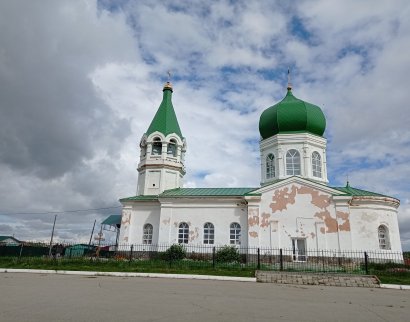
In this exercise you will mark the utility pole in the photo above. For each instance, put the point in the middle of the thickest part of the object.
(92, 232)
(52, 235)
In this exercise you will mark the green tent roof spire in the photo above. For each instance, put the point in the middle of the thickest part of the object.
(165, 120)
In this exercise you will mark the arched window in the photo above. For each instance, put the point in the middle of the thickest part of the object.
(316, 165)
(183, 233)
(235, 234)
(293, 163)
(172, 148)
(384, 242)
(270, 166)
(157, 147)
(147, 236)
(209, 235)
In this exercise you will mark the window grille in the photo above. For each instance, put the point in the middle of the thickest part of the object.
(293, 163)
(270, 166)
(235, 234)
(183, 233)
(316, 165)
(209, 233)
(147, 236)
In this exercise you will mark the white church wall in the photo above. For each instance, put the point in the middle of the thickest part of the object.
(365, 220)
(135, 216)
(296, 211)
(197, 212)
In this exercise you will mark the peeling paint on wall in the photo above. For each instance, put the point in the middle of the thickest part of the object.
(322, 230)
(313, 235)
(321, 201)
(253, 234)
(193, 234)
(253, 217)
(176, 224)
(330, 222)
(344, 216)
(166, 221)
(282, 199)
(189, 223)
(265, 222)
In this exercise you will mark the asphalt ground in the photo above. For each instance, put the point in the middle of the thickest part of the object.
(50, 297)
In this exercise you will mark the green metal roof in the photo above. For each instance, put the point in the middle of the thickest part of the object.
(292, 115)
(112, 220)
(182, 192)
(7, 237)
(358, 192)
(140, 197)
(165, 120)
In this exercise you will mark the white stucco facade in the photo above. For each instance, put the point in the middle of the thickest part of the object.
(270, 217)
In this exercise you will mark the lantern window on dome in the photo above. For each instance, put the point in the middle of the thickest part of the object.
(270, 166)
(293, 163)
(316, 165)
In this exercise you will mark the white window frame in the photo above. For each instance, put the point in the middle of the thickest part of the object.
(293, 164)
(235, 233)
(209, 233)
(384, 240)
(299, 254)
(270, 166)
(316, 165)
(183, 233)
(147, 234)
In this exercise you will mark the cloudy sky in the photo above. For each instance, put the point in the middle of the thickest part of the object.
(80, 82)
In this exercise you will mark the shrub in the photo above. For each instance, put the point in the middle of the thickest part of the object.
(228, 254)
(177, 252)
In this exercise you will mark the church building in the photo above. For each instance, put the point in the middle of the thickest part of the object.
(293, 208)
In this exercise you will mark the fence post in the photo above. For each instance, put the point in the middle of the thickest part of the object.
(366, 263)
(21, 250)
(71, 251)
(281, 259)
(323, 262)
(170, 257)
(259, 258)
(213, 257)
(132, 246)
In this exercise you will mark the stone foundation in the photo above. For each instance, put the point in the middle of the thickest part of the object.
(306, 278)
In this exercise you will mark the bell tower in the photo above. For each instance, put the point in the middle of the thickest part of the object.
(163, 148)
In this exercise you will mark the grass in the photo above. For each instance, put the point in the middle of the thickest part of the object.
(123, 266)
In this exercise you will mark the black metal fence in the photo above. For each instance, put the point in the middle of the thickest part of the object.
(211, 256)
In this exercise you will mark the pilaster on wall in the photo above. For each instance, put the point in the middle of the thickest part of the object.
(342, 205)
(274, 234)
(165, 222)
(253, 220)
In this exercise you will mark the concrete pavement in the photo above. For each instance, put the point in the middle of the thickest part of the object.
(44, 297)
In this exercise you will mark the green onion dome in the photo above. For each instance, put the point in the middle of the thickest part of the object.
(292, 115)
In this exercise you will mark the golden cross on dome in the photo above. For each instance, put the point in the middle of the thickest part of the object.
(169, 75)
